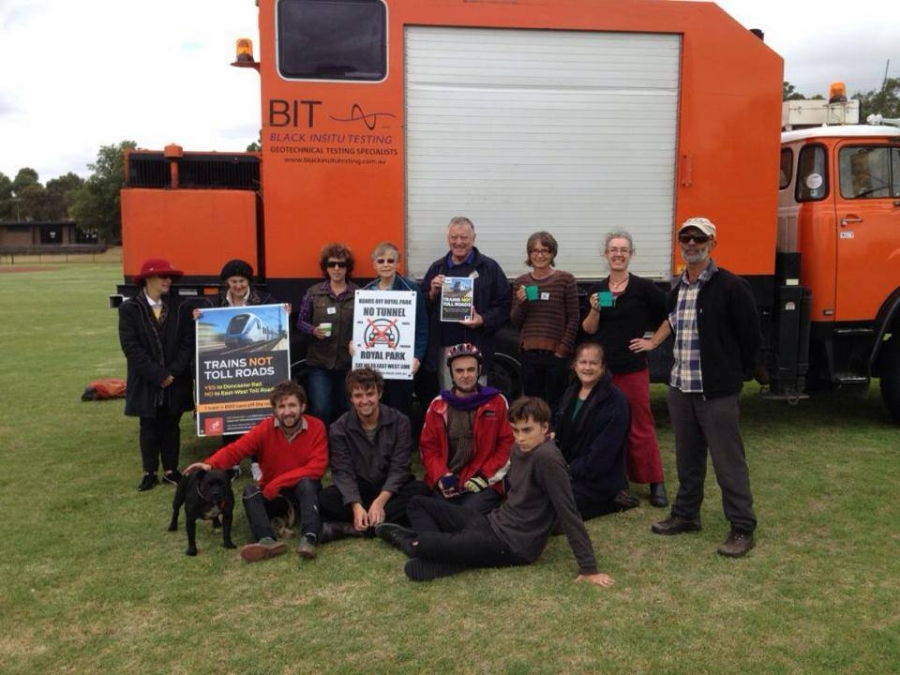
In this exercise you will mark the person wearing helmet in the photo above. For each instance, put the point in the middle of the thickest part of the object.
(157, 337)
(466, 438)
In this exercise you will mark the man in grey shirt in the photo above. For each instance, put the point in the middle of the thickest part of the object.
(446, 539)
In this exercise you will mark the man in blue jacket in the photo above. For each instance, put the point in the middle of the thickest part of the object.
(713, 316)
(492, 301)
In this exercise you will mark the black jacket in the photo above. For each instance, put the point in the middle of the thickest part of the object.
(154, 355)
(728, 324)
(593, 443)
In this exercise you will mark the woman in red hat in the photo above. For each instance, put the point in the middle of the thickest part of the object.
(156, 332)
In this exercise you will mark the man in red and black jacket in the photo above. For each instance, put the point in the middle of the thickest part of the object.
(466, 439)
(292, 451)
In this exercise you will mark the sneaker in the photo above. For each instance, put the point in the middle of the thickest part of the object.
(737, 545)
(307, 547)
(625, 500)
(418, 569)
(658, 496)
(675, 525)
(256, 471)
(263, 549)
(148, 482)
(396, 535)
(173, 477)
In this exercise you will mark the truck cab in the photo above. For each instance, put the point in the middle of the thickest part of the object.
(839, 238)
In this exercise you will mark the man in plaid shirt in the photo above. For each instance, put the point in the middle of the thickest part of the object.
(716, 326)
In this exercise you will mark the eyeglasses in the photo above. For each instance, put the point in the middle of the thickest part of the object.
(696, 238)
(385, 261)
(167, 277)
(336, 263)
(540, 251)
(614, 251)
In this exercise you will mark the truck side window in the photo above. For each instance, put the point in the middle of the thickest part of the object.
(787, 168)
(332, 39)
(866, 172)
(812, 174)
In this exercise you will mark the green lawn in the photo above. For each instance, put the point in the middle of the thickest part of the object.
(93, 582)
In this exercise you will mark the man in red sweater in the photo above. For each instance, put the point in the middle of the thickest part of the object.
(292, 451)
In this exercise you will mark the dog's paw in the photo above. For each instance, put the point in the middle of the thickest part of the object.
(191, 552)
(229, 544)
(173, 528)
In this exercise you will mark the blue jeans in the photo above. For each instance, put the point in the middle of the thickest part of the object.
(327, 394)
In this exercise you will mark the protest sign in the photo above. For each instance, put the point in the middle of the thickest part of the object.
(384, 332)
(242, 353)
(457, 298)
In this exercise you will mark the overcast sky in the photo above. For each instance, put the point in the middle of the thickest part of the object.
(84, 73)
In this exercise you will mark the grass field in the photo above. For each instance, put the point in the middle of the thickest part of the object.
(93, 583)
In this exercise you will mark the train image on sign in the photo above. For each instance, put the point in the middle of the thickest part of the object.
(245, 329)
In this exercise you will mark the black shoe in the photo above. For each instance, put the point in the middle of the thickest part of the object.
(675, 525)
(737, 545)
(658, 497)
(173, 476)
(396, 535)
(307, 547)
(418, 569)
(334, 531)
(148, 482)
(625, 500)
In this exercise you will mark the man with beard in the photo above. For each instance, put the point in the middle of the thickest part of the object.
(713, 316)
(292, 451)
(466, 439)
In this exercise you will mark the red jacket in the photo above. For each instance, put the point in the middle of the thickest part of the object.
(283, 463)
(491, 435)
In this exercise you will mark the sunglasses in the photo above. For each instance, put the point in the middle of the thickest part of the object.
(336, 263)
(165, 276)
(696, 238)
(385, 261)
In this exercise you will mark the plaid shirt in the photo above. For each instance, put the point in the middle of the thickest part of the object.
(687, 373)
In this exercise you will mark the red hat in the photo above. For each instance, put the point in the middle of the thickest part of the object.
(155, 267)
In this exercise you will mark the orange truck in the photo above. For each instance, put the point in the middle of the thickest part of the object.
(382, 119)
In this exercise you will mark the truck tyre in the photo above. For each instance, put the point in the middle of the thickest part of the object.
(890, 377)
(506, 375)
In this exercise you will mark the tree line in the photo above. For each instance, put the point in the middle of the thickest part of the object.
(93, 203)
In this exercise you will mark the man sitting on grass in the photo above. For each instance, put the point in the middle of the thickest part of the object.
(292, 452)
(370, 447)
(446, 539)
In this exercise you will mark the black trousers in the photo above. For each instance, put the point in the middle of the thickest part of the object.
(456, 534)
(544, 375)
(332, 508)
(160, 441)
(303, 497)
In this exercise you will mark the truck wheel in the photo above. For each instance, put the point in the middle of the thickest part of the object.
(890, 377)
(506, 375)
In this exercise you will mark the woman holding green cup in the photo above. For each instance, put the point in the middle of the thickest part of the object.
(622, 308)
(545, 310)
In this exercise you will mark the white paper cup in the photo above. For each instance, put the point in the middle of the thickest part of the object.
(327, 328)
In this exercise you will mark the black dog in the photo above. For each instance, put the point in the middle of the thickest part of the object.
(207, 495)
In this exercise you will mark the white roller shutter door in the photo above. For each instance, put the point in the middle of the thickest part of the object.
(526, 130)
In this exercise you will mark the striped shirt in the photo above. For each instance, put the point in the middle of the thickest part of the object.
(687, 372)
(549, 323)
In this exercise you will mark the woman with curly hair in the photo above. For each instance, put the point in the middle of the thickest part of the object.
(326, 316)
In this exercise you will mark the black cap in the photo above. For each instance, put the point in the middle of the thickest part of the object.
(237, 268)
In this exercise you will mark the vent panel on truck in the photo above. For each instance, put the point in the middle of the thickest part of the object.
(233, 172)
(527, 130)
